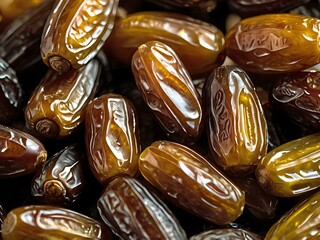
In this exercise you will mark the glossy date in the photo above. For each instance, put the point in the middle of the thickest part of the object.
(227, 234)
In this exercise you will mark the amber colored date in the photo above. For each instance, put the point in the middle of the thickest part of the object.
(227, 234)
(248, 8)
(20, 154)
(292, 168)
(57, 106)
(134, 212)
(10, 94)
(112, 137)
(271, 43)
(61, 179)
(49, 222)
(237, 128)
(297, 96)
(168, 90)
(75, 31)
(199, 45)
(301, 222)
(191, 182)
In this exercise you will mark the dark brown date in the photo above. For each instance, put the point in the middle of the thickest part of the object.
(297, 96)
(49, 222)
(168, 90)
(10, 94)
(112, 137)
(61, 179)
(20, 153)
(134, 212)
(237, 128)
(227, 234)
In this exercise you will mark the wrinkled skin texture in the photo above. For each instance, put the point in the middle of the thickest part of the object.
(297, 96)
(199, 45)
(75, 31)
(191, 182)
(112, 137)
(134, 212)
(237, 128)
(61, 179)
(57, 106)
(271, 43)
(168, 91)
(20, 153)
(48, 222)
(301, 222)
(227, 234)
(292, 168)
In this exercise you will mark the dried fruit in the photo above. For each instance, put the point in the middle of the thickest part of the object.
(227, 234)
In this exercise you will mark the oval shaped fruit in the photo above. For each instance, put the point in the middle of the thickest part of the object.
(292, 168)
(20, 152)
(57, 106)
(191, 182)
(297, 96)
(75, 31)
(168, 90)
(271, 43)
(237, 128)
(199, 45)
(61, 179)
(301, 222)
(226, 234)
(112, 137)
(134, 212)
(49, 222)
(10, 94)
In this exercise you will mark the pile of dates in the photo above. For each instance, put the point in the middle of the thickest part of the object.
(159, 119)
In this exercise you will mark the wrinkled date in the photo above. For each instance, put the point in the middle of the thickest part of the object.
(20, 153)
(130, 209)
(75, 31)
(227, 233)
(191, 182)
(297, 96)
(49, 222)
(271, 43)
(112, 137)
(61, 179)
(292, 168)
(237, 128)
(57, 106)
(301, 222)
(199, 45)
(167, 89)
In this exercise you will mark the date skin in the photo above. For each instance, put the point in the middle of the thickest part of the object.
(57, 106)
(199, 45)
(48, 222)
(227, 234)
(168, 90)
(190, 182)
(292, 168)
(301, 222)
(249, 8)
(11, 94)
(20, 153)
(134, 212)
(297, 96)
(236, 126)
(61, 179)
(112, 137)
(271, 43)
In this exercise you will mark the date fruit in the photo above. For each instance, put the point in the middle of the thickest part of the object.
(75, 31)
(237, 128)
(134, 212)
(199, 45)
(168, 90)
(49, 222)
(292, 168)
(20, 153)
(112, 137)
(191, 182)
(271, 43)
(226, 234)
